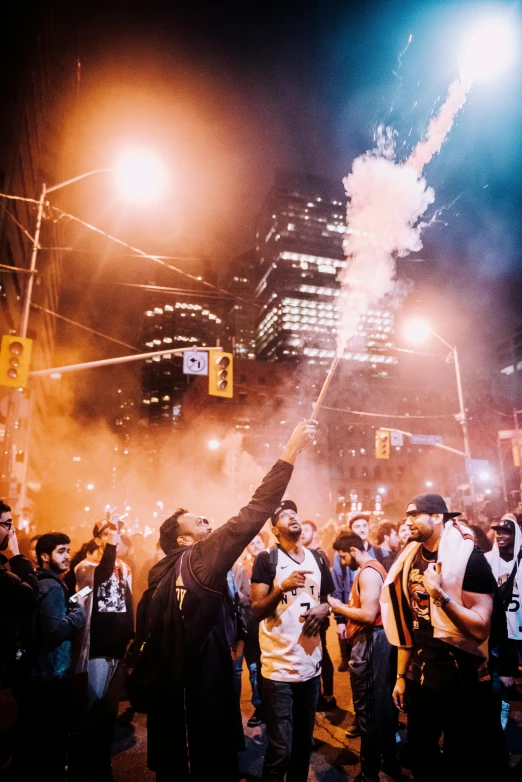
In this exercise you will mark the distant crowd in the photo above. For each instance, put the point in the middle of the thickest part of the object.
(427, 613)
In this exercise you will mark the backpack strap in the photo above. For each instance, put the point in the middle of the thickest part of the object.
(273, 554)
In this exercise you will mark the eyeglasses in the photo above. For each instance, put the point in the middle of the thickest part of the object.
(7, 524)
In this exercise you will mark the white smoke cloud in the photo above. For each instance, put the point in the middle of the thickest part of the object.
(386, 200)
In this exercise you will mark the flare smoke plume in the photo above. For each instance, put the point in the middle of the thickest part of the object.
(386, 200)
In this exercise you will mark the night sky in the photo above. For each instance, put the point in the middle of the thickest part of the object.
(228, 92)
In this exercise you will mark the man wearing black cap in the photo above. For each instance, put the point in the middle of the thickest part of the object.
(290, 587)
(437, 605)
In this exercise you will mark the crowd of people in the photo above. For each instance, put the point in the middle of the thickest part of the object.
(427, 613)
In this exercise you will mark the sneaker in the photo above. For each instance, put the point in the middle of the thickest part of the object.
(255, 720)
(326, 703)
(353, 732)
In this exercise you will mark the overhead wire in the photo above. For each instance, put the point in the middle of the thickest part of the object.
(82, 326)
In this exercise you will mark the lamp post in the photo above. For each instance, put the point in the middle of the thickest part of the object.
(418, 331)
(137, 174)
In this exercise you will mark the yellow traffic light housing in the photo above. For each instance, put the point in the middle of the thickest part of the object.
(220, 374)
(15, 361)
(382, 444)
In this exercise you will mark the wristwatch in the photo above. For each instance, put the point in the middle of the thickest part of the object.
(440, 602)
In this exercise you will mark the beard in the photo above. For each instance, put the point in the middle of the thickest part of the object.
(420, 537)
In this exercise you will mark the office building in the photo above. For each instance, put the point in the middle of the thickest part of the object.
(180, 324)
(300, 258)
(37, 83)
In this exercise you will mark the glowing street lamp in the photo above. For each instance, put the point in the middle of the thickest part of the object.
(489, 49)
(213, 445)
(140, 176)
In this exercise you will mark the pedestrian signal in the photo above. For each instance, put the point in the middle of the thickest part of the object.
(382, 444)
(220, 373)
(15, 361)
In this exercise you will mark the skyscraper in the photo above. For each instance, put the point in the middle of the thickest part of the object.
(300, 257)
(180, 324)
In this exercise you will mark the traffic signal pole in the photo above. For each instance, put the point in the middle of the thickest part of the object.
(104, 362)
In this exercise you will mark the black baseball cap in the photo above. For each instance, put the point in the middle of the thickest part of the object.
(431, 503)
(285, 505)
(506, 524)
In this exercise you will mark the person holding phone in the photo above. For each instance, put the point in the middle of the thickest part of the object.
(44, 703)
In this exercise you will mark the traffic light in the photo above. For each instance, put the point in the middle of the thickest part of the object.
(220, 373)
(382, 444)
(15, 361)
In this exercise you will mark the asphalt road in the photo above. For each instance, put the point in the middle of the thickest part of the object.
(336, 758)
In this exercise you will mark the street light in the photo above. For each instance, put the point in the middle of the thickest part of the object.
(135, 172)
(418, 330)
(213, 445)
(140, 176)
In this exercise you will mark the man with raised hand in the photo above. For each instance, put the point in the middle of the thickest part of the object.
(194, 721)
(436, 605)
(290, 586)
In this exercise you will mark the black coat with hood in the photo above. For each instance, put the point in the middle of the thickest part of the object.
(194, 680)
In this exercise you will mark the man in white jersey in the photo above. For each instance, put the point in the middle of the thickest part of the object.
(290, 586)
(505, 560)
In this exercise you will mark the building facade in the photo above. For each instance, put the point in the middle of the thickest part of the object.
(300, 258)
(36, 92)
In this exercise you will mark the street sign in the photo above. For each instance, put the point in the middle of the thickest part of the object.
(426, 439)
(396, 439)
(509, 434)
(476, 466)
(195, 362)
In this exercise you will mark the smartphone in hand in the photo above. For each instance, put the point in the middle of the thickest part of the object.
(82, 593)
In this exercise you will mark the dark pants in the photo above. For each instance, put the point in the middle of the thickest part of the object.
(290, 718)
(474, 746)
(327, 670)
(92, 746)
(371, 680)
(42, 735)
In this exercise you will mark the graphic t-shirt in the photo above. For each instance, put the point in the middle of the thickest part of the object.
(112, 620)
(436, 664)
(514, 609)
(286, 654)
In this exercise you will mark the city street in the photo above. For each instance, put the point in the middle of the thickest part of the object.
(335, 759)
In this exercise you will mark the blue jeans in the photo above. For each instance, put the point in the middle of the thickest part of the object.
(290, 718)
(253, 676)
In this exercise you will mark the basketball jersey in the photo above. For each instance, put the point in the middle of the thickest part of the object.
(286, 654)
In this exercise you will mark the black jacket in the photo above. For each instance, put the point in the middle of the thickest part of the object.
(195, 677)
(18, 601)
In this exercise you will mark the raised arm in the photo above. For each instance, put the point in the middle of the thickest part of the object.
(211, 558)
